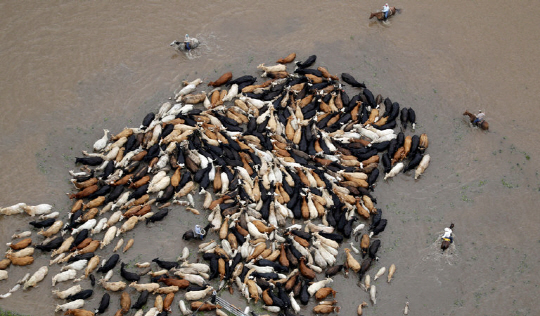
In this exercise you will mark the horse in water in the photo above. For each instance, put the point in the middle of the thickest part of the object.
(380, 15)
(445, 244)
(483, 124)
(181, 46)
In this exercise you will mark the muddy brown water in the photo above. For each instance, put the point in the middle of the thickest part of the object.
(71, 69)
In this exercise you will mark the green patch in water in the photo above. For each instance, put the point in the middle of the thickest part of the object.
(8, 313)
(506, 184)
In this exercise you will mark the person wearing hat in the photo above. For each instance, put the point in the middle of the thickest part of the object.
(385, 9)
(448, 233)
(479, 118)
(187, 42)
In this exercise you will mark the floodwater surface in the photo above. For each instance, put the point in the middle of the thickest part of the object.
(71, 69)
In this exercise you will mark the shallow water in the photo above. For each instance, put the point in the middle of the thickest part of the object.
(71, 69)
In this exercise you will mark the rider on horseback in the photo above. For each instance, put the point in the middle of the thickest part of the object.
(187, 42)
(385, 10)
(448, 233)
(479, 118)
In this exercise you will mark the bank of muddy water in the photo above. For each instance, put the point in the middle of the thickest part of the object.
(72, 69)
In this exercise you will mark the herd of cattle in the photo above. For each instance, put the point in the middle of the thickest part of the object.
(285, 168)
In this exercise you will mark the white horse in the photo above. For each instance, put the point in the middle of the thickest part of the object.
(181, 45)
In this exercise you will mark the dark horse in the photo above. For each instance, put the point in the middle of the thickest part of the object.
(380, 15)
(445, 244)
(483, 124)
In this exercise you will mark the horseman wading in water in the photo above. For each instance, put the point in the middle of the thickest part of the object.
(187, 42)
(385, 10)
(448, 233)
(479, 118)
